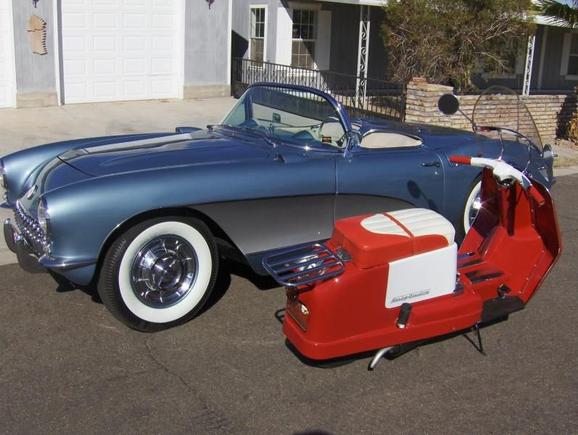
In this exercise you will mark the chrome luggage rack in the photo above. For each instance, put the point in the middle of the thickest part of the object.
(303, 265)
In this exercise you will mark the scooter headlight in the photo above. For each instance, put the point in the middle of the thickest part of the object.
(548, 153)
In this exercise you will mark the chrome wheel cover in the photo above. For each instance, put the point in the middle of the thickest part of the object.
(164, 271)
(472, 206)
(475, 208)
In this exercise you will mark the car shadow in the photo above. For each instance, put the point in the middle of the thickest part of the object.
(226, 270)
(244, 271)
(65, 286)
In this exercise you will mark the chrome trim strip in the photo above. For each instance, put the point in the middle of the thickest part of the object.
(64, 264)
(478, 276)
(9, 235)
(30, 229)
(120, 146)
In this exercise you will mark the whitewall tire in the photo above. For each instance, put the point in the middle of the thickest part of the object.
(159, 273)
(472, 206)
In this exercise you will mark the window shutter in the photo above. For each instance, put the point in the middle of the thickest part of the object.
(283, 37)
(323, 44)
(565, 53)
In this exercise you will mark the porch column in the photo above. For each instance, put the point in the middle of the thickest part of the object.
(529, 65)
(363, 55)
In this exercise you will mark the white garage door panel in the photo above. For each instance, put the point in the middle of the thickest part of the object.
(121, 50)
(7, 75)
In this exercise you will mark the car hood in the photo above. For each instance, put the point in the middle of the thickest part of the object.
(190, 149)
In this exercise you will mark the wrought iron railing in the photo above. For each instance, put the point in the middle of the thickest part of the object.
(361, 96)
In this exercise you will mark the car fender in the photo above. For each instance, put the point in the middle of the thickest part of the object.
(85, 214)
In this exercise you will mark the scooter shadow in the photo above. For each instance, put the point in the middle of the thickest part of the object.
(395, 352)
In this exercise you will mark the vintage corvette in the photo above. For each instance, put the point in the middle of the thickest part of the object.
(147, 218)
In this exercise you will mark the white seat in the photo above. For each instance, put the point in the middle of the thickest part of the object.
(418, 221)
(425, 222)
(332, 129)
(387, 139)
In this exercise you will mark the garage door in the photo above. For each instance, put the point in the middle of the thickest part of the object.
(7, 76)
(121, 49)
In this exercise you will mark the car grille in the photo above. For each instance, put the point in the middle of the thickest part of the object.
(30, 229)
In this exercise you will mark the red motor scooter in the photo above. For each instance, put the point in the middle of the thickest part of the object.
(390, 281)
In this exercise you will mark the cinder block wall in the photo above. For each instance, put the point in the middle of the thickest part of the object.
(551, 113)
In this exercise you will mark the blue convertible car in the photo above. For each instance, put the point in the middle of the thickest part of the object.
(147, 218)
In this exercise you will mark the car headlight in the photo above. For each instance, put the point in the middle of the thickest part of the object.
(2, 176)
(2, 182)
(43, 216)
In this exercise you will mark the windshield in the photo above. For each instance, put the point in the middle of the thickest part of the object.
(502, 108)
(296, 116)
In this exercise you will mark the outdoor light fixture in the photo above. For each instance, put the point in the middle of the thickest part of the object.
(210, 2)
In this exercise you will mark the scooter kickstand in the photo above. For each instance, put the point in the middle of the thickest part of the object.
(380, 354)
(479, 346)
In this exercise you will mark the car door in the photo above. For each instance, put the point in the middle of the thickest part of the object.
(377, 180)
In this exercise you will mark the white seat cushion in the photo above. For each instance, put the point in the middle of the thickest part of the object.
(425, 222)
(386, 139)
(418, 221)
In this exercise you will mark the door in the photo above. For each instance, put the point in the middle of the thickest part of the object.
(122, 50)
(378, 180)
(7, 75)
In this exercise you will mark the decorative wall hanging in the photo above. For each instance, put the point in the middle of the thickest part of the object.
(37, 34)
(210, 2)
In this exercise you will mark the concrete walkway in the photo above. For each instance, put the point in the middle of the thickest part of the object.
(23, 128)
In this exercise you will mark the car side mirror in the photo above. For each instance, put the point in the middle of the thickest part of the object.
(448, 104)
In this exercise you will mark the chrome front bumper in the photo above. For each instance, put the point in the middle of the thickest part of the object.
(17, 244)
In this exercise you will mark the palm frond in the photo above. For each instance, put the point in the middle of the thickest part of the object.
(559, 13)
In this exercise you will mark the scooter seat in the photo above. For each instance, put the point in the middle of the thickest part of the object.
(386, 237)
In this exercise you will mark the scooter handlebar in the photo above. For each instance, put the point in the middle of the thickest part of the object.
(502, 171)
(461, 160)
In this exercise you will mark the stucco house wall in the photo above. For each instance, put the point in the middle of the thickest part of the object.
(204, 47)
(35, 75)
(207, 49)
(343, 34)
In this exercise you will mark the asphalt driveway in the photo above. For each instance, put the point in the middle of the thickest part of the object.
(66, 366)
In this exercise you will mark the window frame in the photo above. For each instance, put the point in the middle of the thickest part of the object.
(265, 26)
(566, 54)
(310, 8)
(519, 67)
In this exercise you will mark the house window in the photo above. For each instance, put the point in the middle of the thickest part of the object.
(515, 57)
(573, 56)
(304, 38)
(257, 33)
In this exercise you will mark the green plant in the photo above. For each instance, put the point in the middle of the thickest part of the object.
(446, 41)
(558, 13)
